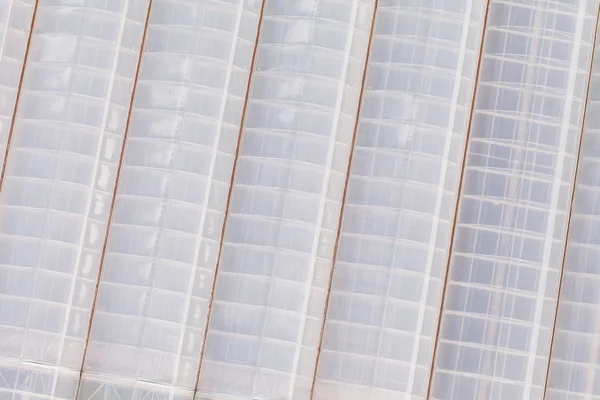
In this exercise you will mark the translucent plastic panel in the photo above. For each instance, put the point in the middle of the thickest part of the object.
(509, 240)
(15, 26)
(387, 281)
(575, 363)
(58, 186)
(278, 246)
(150, 315)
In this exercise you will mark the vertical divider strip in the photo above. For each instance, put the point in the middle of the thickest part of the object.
(228, 201)
(460, 185)
(339, 227)
(18, 96)
(564, 253)
(114, 195)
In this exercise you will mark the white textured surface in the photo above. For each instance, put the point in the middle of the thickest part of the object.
(503, 278)
(156, 278)
(58, 185)
(278, 245)
(574, 369)
(15, 24)
(157, 272)
(387, 282)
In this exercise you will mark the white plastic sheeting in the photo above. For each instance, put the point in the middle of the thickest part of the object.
(181, 286)
(574, 366)
(278, 246)
(155, 285)
(395, 236)
(58, 186)
(510, 231)
(15, 24)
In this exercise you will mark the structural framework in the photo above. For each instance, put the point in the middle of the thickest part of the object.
(299, 200)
